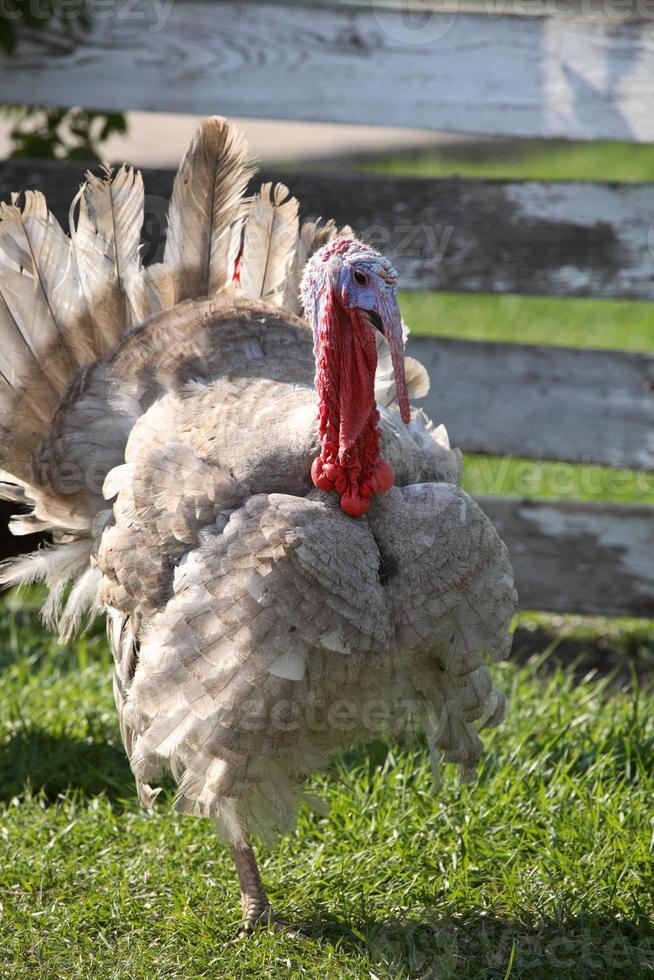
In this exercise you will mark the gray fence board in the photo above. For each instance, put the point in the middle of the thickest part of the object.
(573, 557)
(560, 76)
(552, 238)
(567, 404)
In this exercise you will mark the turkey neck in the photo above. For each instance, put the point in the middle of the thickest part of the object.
(346, 361)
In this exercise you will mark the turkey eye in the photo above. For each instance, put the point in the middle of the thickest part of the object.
(360, 278)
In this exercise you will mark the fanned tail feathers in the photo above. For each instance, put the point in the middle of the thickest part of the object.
(151, 290)
(44, 324)
(63, 306)
(62, 302)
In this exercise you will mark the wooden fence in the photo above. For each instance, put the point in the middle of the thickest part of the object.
(538, 76)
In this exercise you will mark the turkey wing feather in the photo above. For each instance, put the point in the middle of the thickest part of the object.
(289, 620)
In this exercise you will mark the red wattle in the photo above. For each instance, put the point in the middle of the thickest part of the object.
(354, 505)
(319, 476)
(349, 460)
(383, 476)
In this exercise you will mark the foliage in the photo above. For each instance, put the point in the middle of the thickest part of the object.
(541, 869)
(66, 134)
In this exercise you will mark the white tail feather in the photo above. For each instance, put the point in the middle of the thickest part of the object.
(269, 244)
(42, 300)
(417, 376)
(82, 604)
(151, 290)
(56, 566)
(106, 241)
(312, 237)
(45, 330)
(205, 206)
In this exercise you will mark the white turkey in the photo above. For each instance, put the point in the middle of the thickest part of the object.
(223, 450)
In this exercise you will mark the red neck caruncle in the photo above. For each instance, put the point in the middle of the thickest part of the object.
(346, 361)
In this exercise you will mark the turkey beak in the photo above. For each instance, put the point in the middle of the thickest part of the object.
(388, 321)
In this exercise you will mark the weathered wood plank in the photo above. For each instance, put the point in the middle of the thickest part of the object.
(559, 76)
(596, 559)
(556, 238)
(542, 402)
(553, 238)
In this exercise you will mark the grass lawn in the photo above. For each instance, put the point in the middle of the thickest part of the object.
(517, 159)
(542, 869)
(598, 323)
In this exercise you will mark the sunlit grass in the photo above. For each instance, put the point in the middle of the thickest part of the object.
(512, 477)
(547, 859)
(607, 324)
(533, 159)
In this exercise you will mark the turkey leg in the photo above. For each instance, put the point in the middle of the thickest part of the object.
(257, 910)
(254, 901)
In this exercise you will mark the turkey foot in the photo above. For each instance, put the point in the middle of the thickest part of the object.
(257, 910)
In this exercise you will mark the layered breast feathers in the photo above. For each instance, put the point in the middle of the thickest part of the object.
(292, 631)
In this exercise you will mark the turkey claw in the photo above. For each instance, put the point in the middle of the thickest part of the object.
(268, 920)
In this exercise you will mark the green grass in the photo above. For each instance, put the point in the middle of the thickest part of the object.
(602, 324)
(513, 477)
(533, 159)
(543, 868)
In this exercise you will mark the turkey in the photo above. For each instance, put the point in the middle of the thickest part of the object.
(223, 450)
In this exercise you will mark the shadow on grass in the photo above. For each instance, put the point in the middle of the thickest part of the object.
(51, 764)
(628, 656)
(485, 946)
